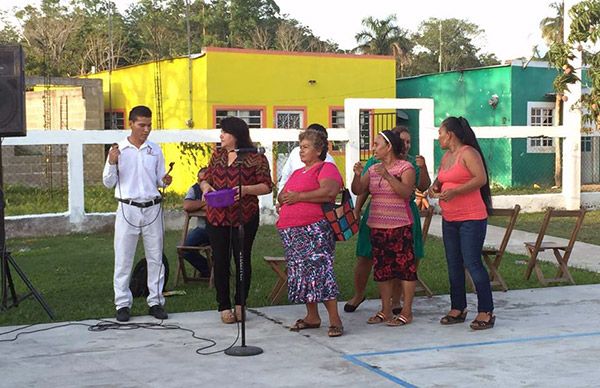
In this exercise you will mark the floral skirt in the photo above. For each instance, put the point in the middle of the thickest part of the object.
(393, 254)
(309, 253)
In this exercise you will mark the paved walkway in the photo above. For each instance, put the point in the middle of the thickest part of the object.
(543, 337)
(586, 256)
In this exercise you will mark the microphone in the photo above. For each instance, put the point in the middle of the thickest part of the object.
(250, 150)
(170, 167)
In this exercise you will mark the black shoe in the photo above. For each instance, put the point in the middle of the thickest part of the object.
(123, 314)
(350, 308)
(158, 312)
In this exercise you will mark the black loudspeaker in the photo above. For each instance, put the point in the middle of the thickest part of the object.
(12, 92)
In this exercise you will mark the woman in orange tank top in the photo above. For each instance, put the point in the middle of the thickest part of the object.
(463, 189)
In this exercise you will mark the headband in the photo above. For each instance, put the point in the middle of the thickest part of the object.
(385, 137)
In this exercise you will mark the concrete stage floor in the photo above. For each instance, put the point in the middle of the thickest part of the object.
(543, 337)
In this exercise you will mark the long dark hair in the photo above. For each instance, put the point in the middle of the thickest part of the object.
(239, 129)
(393, 138)
(460, 127)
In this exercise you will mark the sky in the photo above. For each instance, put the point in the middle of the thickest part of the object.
(511, 26)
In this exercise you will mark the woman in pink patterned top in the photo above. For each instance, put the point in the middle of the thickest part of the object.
(390, 183)
(307, 236)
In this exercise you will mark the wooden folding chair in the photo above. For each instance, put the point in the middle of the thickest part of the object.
(562, 252)
(204, 250)
(427, 215)
(279, 266)
(492, 256)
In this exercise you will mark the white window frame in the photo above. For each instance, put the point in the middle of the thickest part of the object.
(243, 114)
(300, 113)
(118, 117)
(337, 118)
(539, 145)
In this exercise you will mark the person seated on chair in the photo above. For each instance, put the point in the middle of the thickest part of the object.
(192, 202)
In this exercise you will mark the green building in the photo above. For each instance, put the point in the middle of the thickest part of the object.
(516, 94)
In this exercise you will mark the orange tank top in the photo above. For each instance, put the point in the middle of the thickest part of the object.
(463, 207)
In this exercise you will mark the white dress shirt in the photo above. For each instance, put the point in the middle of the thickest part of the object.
(138, 173)
(292, 164)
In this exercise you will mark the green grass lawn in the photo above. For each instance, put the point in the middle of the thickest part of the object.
(74, 273)
(21, 200)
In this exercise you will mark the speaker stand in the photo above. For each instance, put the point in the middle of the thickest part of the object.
(6, 262)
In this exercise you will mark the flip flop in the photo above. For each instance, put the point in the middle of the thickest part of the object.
(350, 308)
(398, 320)
(301, 325)
(335, 331)
(377, 318)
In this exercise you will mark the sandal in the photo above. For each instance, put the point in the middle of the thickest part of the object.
(451, 320)
(483, 325)
(228, 317)
(335, 331)
(398, 320)
(301, 325)
(377, 318)
(350, 308)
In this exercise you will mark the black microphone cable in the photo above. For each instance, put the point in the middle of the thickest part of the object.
(162, 196)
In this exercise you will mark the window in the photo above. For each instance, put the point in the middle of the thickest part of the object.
(289, 119)
(586, 144)
(365, 130)
(252, 117)
(337, 118)
(117, 122)
(540, 114)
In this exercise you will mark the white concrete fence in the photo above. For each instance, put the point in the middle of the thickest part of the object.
(76, 219)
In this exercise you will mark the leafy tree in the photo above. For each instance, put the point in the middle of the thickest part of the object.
(9, 34)
(447, 44)
(217, 24)
(102, 41)
(47, 32)
(248, 15)
(384, 37)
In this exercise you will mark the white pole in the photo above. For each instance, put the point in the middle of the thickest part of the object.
(571, 177)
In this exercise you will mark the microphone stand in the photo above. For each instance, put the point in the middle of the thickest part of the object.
(242, 350)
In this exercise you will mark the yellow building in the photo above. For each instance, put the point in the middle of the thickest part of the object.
(269, 89)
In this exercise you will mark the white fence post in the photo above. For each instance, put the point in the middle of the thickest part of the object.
(571, 174)
(76, 188)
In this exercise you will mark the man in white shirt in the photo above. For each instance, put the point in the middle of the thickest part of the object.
(136, 168)
(294, 162)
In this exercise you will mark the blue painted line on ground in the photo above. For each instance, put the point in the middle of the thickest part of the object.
(354, 358)
(386, 375)
(486, 343)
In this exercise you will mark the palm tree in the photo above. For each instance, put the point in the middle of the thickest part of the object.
(384, 37)
(553, 27)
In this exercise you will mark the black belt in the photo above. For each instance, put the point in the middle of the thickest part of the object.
(155, 201)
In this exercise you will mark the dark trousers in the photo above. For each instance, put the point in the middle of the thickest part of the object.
(197, 237)
(224, 240)
(463, 241)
